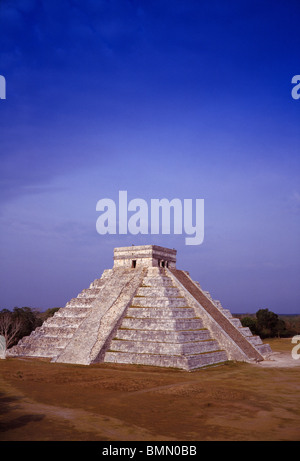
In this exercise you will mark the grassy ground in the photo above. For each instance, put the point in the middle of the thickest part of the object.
(40, 400)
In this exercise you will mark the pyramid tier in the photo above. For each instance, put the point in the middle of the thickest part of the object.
(159, 301)
(164, 336)
(162, 324)
(157, 312)
(184, 362)
(152, 347)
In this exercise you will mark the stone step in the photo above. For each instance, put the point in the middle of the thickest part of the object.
(218, 304)
(80, 302)
(24, 341)
(164, 336)
(89, 293)
(76, 312)
(36, 351)
(264, 349)
(151, 347)
(42, 339)
(157, 281)
(52, 341)
(236, 322)
(156, 312)
(256, 340)
(227, 313)
(55, 332)
(98, 283)
(158, 301)
(245, 331)
(183, 362)
(161, 324)
(45, 351)
(210, 358)
(207, 293)
(158, 291)
(63, 322)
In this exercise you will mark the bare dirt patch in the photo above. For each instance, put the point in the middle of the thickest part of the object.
(40, 400)
(281, 356)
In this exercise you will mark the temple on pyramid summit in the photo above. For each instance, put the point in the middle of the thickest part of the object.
(144, 311)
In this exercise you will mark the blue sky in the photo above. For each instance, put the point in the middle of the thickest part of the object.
(181, 99)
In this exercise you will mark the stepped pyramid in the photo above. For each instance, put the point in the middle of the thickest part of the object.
(143, 311)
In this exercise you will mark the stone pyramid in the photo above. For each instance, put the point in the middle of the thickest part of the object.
(143, 311)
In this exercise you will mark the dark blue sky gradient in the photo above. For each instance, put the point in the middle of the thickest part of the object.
(185, 99)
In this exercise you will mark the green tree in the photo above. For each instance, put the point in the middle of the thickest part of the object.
(269, 324)
(282, 329)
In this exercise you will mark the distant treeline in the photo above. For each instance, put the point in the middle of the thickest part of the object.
(267, 324)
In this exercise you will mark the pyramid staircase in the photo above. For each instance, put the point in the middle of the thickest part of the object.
(160, 329)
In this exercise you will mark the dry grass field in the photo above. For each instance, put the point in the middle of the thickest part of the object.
(40, 400)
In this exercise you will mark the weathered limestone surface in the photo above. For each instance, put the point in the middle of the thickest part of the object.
(52, 337)
(160, 328)
(143, 311)
(93, 333)
(239, 342)
(144, 256)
